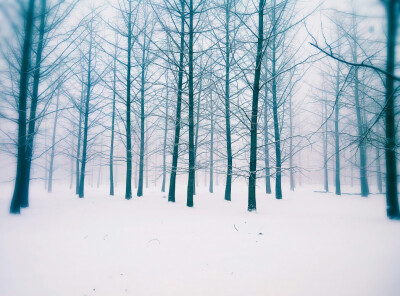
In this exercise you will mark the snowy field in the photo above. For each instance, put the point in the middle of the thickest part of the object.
(306, 244)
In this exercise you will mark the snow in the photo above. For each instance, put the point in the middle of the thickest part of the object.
(306, 244)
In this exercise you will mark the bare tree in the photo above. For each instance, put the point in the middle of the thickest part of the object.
(392, 9)
(18, 194)
(254, 110)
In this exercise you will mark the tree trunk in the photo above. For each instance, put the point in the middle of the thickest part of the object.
(100, 165)
(351, 175)
(99, 177)
(45, 158)
(20, 178)
(325, 147)
(146, 151)
(78, 150)
(71, 172)
(92, 177)
(113, 124)
(291, 173)
(172, 182)
(211, 188)
(266, 140)
(254, 111)
(86, 120)
(360, 125)
(390, 131)
(135, 177)
(378, 171)
(189, 201)
(34, 102)
(300, 178)
(142, 123)
(197, 133)
(165, 143)
(228, 186)
(278, 173)
(116, 176)
(128, 185)
(337, 148)
(53, 145)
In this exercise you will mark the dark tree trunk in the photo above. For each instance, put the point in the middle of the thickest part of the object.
(53, 145)
(20, 179)
(128, 186)
(113, 125)
(228, 186)
(254, 111)
(172, 182)
(86, 121)
(278, 173)
(390, 147)
(34, 103)
(78, 150)
(84, 146)
(189, 201)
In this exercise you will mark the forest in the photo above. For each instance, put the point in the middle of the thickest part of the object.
(275, 120)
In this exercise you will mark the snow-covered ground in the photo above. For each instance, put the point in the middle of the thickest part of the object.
(306, 244)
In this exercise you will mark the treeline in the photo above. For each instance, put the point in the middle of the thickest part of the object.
(224, 87)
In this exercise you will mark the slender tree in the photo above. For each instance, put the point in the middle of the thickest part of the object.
(266, 138)
(142, 112)
(172, 182)
(165, 138)
(291, 151)
(392, 10)
(325, 146)
(378, 171)
(228, 186)
(190, 187)
(78, 148)
(211, 188)
(254, 110)
(20, 179)
(360, 123)
(278, 160)
(128, 185)
(53, 144)
(34, 103)
(337, 144)
(86, 112)
(113, 120)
